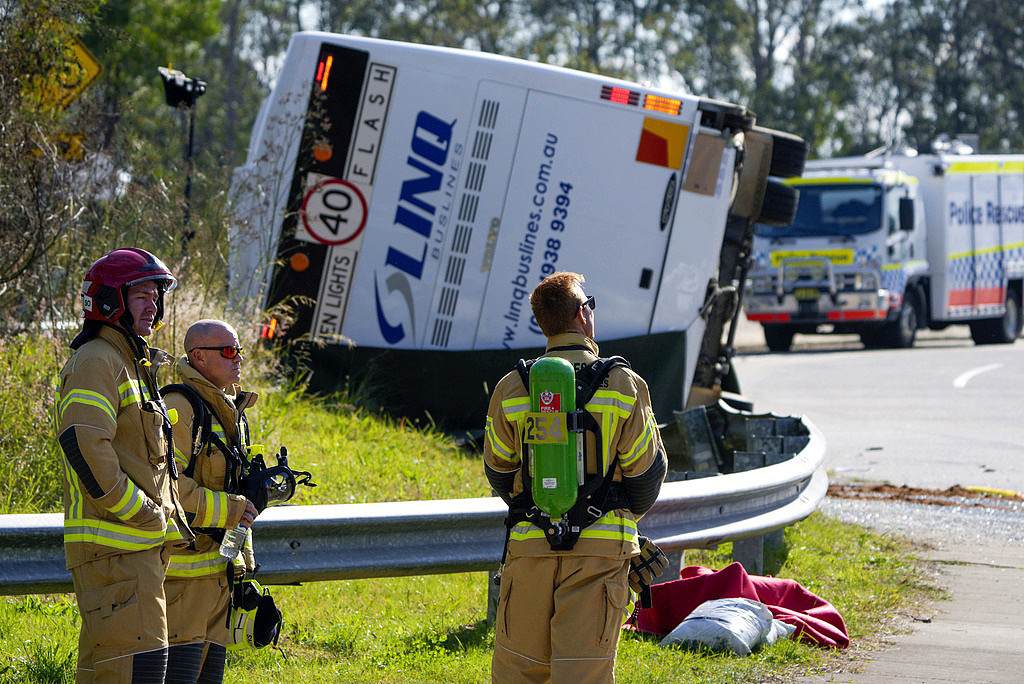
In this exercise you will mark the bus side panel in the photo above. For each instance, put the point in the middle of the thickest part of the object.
(421, 155)
(579, 200)
(471, 232)
(693, 253)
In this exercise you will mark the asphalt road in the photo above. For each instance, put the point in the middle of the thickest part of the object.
(945, 412)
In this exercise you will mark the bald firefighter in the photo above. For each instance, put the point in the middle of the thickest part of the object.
(121, 515)
(210, 445)
(564, 590)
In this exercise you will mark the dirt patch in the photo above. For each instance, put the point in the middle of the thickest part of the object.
(954, 496)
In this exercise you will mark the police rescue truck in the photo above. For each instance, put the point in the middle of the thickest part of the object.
(886, 245)
(399, 203)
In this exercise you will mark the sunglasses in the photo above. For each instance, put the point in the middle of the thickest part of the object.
(228, 352)
(589, 301)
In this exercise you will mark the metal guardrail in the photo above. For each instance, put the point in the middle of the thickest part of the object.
(351, 541)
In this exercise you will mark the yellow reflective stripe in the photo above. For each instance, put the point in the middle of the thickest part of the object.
(218, 430)
(114, 535)
(618, 402)
(129, 504)
(130, 393)
(196, 565)
(87, 398)
(173, 533)
(74, 489)
(975, 167)
(180, 458)
(608, 526)
(515, 408)
(833, 180)
(497, 446)
(641, 444)
(215, 513)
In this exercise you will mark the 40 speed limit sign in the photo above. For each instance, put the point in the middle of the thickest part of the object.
(333, 211)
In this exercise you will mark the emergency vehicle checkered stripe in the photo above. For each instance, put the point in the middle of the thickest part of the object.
(197, 565)
(130, 502)
(86, 398)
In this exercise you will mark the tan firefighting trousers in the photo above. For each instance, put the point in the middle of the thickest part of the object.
(558, 619)
(121, 601)
(197, 609)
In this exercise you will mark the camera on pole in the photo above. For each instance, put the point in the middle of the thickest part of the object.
(181, 91)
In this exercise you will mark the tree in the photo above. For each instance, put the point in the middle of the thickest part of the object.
(36, 205)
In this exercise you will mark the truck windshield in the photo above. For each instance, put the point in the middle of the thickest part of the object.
(831, 210)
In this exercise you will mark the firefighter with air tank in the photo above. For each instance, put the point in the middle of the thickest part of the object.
(578, 458)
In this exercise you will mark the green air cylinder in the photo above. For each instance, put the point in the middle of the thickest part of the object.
(552, 447)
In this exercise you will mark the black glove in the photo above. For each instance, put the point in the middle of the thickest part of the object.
(646, 567)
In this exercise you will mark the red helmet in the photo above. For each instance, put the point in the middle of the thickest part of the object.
(110, 276)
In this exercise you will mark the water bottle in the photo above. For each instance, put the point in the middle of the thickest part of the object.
(233, 542)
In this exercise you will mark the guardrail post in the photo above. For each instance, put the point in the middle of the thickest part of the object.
(750, 554)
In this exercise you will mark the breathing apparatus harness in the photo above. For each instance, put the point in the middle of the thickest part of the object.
(250, 477)
(597, 494)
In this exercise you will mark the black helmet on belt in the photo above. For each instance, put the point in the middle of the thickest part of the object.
(103, 292)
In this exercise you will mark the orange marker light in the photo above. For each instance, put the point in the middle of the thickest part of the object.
(662, 104)
(299, 262)
(322, 151)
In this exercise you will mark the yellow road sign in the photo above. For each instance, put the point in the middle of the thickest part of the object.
(78, 72)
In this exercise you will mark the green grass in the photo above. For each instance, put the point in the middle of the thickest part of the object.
(431, 628)
(411, 629)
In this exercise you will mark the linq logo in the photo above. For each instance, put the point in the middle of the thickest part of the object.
(550, 402)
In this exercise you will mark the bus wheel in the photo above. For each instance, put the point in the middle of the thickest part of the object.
(902, 332)
(779, 338)
(1002, 330)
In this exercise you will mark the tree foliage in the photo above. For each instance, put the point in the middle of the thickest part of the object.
(847, 75)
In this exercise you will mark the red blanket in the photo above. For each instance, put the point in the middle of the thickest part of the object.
(816, 621)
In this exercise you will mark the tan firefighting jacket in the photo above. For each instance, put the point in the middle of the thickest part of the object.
(202, 494)
(118, 492)
(621, 406)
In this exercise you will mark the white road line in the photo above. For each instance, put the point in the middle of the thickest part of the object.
(965, 377)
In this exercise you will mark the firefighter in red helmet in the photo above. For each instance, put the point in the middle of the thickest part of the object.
(121, 513)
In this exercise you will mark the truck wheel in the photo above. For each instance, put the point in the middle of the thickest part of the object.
(1002, 330)
(902, 332)
(789, 152)
(778, 207)
(779, 338)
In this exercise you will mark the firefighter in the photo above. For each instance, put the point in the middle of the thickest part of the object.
(210, 445)
(121, 513)
(560, 611)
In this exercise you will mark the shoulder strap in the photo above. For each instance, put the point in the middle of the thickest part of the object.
(590, 377)
(523, 367)
(202, 429)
